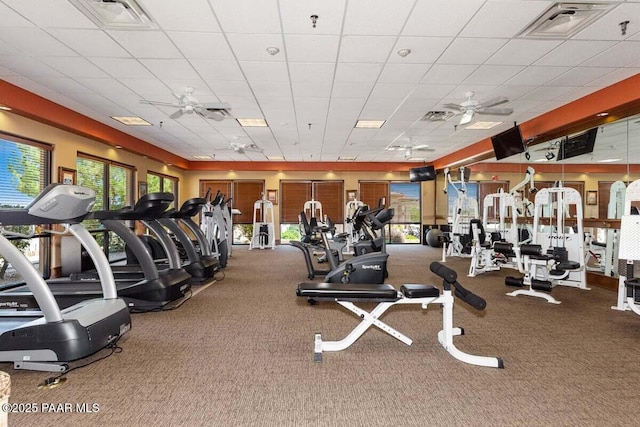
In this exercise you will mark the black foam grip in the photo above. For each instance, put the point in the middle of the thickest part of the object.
(445, 272)
(469, 297)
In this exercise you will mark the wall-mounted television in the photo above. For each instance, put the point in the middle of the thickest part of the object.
(577, 144)
(508, 143)
(424, 173)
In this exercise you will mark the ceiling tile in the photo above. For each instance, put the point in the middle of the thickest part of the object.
(620, 55)
(73, 66)
(447, 74)
(312, 48)
(63, 85)
(403, 73)
(391, 90)
(146, 44)
(202, 45)
(247, 16)
(379, 17)
(268, 89)
(432, 91)
(105, 86)
(296, 16)
(88, 42)
(148, 88)
(253, 47)
(311, 72)
(122, 67)
(314, 89)
(424, 50)
(10, 18)
(616, 76)
(440, 18)
(470, 51)
(522, 52)
(170, 68)
(210, 69)
(357, 72)
(352, 90)
(28, 66)
(365, 48)
(574, 52)
(492, 74)
(607, 27)
(34, 41)
(51, 13)
(536, 75)
(580, 76)
(503, 18)
(265, 71)
(174, 16)
(224, 88)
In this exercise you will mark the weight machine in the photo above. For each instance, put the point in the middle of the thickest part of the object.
(351, 208)
(504, 247)
(263, 225)
(457, 242)
(548, 260)
(628, 283)
(606, 254)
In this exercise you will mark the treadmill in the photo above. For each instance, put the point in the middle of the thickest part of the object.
(203, 265)
(154, 291)
(56, 337)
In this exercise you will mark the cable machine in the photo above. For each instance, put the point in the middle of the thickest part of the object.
(556, 255)
(628, 283)
(457, 241)
(263, 225)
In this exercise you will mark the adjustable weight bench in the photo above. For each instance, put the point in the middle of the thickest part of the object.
(387, 296)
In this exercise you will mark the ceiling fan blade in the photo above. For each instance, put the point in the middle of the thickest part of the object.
(177, 114)
(453, 106)
(466, 117)
(165, 104)
(425, 148)
(494, 101)
(495, 111)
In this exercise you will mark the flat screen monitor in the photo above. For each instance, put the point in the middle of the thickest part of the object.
(508, 143)
(424, 173)
(577, 144)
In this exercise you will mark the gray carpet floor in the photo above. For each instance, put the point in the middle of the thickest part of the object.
(240, 353)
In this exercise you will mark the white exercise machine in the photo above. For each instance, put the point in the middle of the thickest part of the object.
(263, 225)
(353, 235)
(556, 255)
(387, 296)
(628, 283)
(457, 240)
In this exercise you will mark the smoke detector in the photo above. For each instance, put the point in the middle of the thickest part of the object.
(563, 20)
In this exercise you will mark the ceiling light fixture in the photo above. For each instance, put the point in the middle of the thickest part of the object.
(404, 52)
(131, 120)
(5, 108)
(275, 158)
(369, 124)
(347, 158)
(483, 125)
(245, 123)
(203, 157)
(608, 160)
(603, 114)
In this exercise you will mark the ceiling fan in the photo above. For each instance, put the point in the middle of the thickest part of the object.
(469, 107)
(188, 104)
(410, 148)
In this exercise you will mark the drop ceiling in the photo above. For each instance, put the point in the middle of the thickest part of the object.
(322, 80)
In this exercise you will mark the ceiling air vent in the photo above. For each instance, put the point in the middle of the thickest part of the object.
(437, 116)
(115, 13)
(563, 20)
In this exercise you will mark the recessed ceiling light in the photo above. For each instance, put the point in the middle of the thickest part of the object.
(483, 125)
(603, 114)
(2, 107)
(369, 124)
(609, 160)
(347, 158)
(118, 146)
(202, 157)
(541, 160)
(275, 158)
(131, 120)
(253, 123)
(416, 159)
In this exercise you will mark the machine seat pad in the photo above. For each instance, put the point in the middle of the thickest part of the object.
(567, 265)
(351, 291)
(420, 291)
(539, 257)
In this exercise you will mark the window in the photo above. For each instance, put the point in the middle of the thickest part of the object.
(159, 183)
(294, 194)
(25, 170)
(243, 195)
(113, 184)
(404, 199)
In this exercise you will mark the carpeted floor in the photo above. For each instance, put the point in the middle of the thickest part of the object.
(240, 353)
